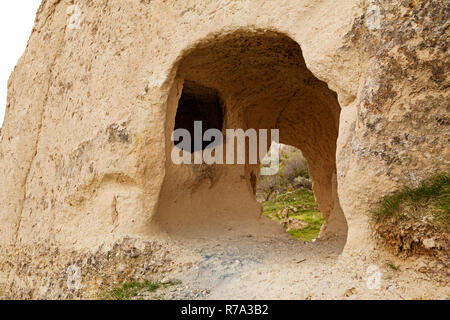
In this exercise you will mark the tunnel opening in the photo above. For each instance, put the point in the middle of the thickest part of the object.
(262, 79)
(202, 104)
(287, 196)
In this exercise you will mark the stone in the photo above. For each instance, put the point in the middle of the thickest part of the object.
(429, 243)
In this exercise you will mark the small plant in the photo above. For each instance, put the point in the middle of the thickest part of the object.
(416, 221)
(132, 289)
(294, 166)
(393, 266)
(431, 197)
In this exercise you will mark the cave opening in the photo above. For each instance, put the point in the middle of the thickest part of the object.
(287, 196)
(199, 103)
(262, 79)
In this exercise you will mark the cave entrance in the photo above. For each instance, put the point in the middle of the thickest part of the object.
(199, 103)
(247, 80)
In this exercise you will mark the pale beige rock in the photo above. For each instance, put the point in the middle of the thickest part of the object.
(361, 87)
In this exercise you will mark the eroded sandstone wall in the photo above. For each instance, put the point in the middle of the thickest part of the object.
(90, 165)
(83, 145)
(396, 132)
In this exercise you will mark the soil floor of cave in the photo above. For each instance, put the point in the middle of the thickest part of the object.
(277, 266)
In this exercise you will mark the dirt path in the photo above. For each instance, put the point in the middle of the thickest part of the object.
(277, 266)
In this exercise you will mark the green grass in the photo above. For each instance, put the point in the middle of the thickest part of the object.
(431, 197)
(393, 266)
(306, 210)
(131, 289)
(302, 199)
(311, 232)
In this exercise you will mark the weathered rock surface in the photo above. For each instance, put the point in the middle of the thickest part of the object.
(360, 87)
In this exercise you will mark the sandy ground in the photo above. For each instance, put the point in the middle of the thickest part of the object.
(236, 265)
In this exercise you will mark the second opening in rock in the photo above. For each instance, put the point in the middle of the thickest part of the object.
(199, 103)
(287, 197)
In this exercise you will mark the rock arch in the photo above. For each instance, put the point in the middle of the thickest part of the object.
(264, 83)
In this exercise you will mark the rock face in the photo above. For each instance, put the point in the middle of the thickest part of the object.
(360, 87)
